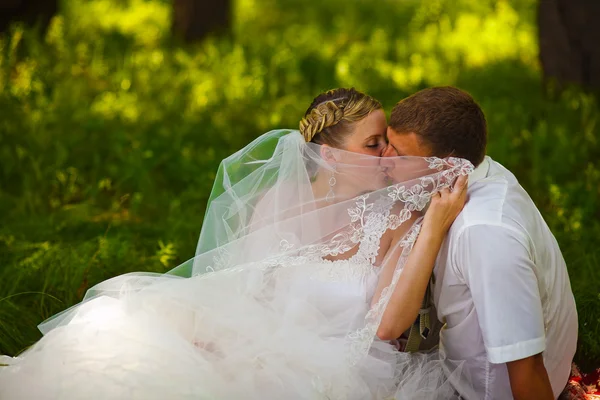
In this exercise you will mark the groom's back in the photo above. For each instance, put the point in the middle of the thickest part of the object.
(502, 286)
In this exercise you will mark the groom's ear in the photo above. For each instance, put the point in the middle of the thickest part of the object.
(327, 154)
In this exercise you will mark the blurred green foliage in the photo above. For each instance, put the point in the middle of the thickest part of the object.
(111, 132)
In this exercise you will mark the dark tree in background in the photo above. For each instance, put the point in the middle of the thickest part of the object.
(569, 36)
(194, 19)
(30, 12)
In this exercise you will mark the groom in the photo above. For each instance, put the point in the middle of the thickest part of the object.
(500, 283)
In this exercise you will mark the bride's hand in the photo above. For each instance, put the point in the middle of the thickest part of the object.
(445, 207)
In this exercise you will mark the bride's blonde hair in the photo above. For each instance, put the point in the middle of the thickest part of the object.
(329, 118)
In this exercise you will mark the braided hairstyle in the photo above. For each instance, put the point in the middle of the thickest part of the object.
(329, 118)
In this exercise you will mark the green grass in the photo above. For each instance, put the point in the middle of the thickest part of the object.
(111, 132)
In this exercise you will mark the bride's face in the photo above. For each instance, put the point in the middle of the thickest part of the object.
(358, 166)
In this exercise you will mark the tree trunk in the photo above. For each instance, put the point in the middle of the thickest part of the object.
(569, 36)
(31, 12)
(194, 19)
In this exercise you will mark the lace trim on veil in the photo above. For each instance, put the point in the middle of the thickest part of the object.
(415, 198)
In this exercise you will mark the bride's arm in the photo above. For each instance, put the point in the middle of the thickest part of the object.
(405, 302)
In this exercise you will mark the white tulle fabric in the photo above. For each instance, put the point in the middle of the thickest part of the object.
(275, 304)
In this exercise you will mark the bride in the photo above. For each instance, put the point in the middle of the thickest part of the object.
(314, 254)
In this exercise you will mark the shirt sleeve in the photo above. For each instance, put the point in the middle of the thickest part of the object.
(499, 271)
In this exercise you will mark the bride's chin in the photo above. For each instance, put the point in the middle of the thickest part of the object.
(365, 184)
(379, 181)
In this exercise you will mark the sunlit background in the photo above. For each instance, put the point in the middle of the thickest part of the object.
(111, 127)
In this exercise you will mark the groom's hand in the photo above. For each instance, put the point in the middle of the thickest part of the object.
(529, 379)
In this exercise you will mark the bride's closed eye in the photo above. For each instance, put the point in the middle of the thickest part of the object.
(376, 142)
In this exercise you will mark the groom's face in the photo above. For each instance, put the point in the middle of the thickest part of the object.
(405, 144)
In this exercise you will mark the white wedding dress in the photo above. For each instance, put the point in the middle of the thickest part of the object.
(285, 324)
(220, 335)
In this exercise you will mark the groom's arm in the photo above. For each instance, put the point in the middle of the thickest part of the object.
(497, 265)
(529, 379)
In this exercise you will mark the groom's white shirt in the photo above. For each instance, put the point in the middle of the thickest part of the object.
(502, 288)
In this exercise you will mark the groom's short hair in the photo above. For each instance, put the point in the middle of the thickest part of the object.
(447, 120)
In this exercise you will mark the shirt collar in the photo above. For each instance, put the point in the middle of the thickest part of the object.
(480, 172)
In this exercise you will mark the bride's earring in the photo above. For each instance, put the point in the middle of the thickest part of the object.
(331, 194)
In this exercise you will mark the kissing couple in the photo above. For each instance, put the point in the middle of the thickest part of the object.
(327, 257)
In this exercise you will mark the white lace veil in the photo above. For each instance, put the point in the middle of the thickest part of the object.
(282, 201)
(282, 205)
